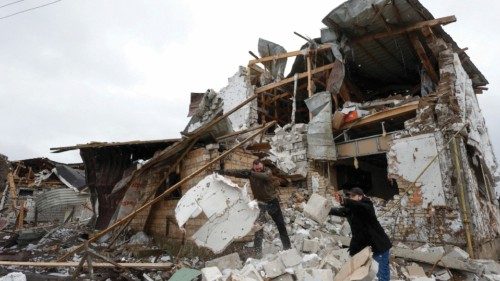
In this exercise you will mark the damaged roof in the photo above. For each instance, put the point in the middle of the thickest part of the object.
(389, 59)
(151, 143)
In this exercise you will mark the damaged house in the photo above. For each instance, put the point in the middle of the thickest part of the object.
(384, 100)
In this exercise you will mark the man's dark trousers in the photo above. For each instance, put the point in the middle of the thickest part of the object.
(273, 209)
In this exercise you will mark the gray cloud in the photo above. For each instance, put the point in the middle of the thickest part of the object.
(119, 70)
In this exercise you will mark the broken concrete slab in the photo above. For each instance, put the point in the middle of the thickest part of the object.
(231, 261)
(233, 209)
(211, 274)
(458, 253)
(247, 273)
(317, 208)
(321, 274)
(310, 246)
(290, 257)
(431, 258)
(415, 271)
(274, 268)
(443, 275)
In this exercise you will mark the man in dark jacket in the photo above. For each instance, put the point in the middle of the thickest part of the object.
(365, 228)
(264, 192)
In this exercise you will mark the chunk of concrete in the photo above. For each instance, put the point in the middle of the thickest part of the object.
(317, 208)
(415, 271)
(310, 246)
(290, 257)
(332, 261)
(342, 255)
(247, 273)
(321, 274)
(311, 261)
(211, 274)
(443, 275)
(274, 268)
(231, 261)
(230, 219)
(458, 253)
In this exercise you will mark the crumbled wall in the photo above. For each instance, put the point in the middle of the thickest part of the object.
(161, 222)
(408, 157)
(431, 211)
(239, 89)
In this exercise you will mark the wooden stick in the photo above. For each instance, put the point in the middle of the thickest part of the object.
(238, 133)
(290, 54)
(166, 192)
(95, 265)
(289, 80)
(309, 80)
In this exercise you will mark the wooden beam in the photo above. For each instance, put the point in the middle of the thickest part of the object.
(289, 54)
(95, 264)
(289, 80)
(402, 30)
(382, 115)
(166, 192)
(424, 59)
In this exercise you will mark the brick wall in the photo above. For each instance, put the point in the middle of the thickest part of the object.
(162, 224)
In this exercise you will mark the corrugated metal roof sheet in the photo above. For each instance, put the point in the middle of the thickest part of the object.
(356, 18)
(59, 197)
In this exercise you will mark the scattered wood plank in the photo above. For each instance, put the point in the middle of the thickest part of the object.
(289, 54)
(402, 30)
(94, 264)
(382, 115)
(291, 79)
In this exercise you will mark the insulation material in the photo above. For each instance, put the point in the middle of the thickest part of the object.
(408, 157)
(268, 48)
(319, 133)
(231, 218)
(237, 91)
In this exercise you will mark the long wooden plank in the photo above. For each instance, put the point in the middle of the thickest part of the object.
(94, 264)
(382, 115)
(402, 30)
(289, 80)
(424, 59)
(168, 191)
(289, 54)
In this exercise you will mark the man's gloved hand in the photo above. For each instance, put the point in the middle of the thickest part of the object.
(338, 197)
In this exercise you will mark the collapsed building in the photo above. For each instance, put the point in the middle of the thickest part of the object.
(384, 100)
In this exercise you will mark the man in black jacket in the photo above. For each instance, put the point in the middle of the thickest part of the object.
(264, 192)
(365, 228)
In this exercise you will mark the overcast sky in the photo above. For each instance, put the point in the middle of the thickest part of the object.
(120, 70)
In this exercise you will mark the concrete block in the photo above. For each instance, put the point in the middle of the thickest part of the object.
(442, 275)
(317, 208)
(231, 261)
(274, 268)
(311, 261)
(290, 257)
(247, 273)
(211, 274)
(310, 246)
(458, 253)
(415, 271)
(437, 250)
(321, 274)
